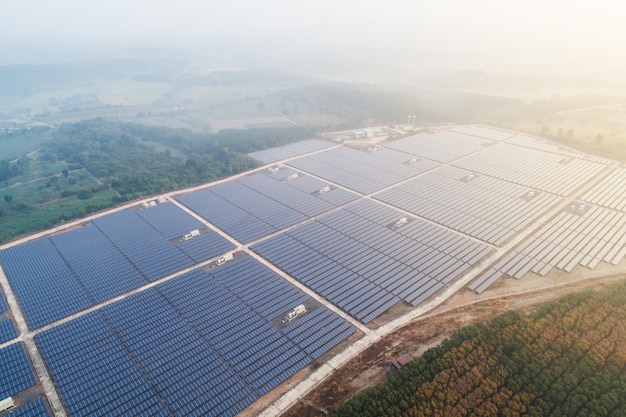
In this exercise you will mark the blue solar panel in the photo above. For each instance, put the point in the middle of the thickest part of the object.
(170, 220)
(289, 151)
(150, 252)
(199, 344)
(206, 246)
(3, 304)
(362, 171)
(43, 283)
(7, 330)
(93, 371)
(35, 408)
(357, 260)
(16, 371)
(257, 205)
(100, 266)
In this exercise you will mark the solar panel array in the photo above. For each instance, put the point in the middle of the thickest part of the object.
(203, 343)
(483, 132)
(102, 270)
(69, 272)
(442, 146)
(212, 341)
(569, 239)
(170, 220)
(149, 251)
(205, 246)
(43, 282)
(35, 408)
(610, 192)
(365, 172)
(544, 145)
(257, 205)
(16, 371)
(7, 328)
(267, 156)
(532, 168)
(354, 259)
(484, 207)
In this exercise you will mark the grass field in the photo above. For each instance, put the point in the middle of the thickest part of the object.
(47, 215)
(15, 146)
(43, 197)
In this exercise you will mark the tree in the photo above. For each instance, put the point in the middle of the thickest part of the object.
(65, 173)
(8, 198)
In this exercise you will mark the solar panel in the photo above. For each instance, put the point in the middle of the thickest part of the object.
(365, 266)
(99, 266)
(443, 146)
(45, 286)
(36, 408)
(361, 171)
(16, 371)
(567, 240)
(170, 220)
(486, 208)
(257, 205)
(532, 168)
(203, 342)
(288, 151)
(128, 232)
(7, 330)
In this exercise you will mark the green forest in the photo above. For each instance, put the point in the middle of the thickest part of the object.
(568, 358)
(95, 164)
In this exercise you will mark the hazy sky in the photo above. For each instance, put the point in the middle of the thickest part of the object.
(449, 24)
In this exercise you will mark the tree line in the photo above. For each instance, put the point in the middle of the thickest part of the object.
(122, 155)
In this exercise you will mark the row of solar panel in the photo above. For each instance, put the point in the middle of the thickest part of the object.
(361, 171)
(353, 259)
(170, 220)
(259, 291)
(7, 330)
(611, 192)
(205, 246)
(484, 132)
(312, 185)
(288, 151)
(15, 368)
(294, 198)
(546, 146)
(150, 252)
(196, 356)
(257, 205)
(569, 239)
(58, 276)
(532, 168)
(482, 207)
(442, 146)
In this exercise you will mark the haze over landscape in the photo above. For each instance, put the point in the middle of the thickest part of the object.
(280, 208)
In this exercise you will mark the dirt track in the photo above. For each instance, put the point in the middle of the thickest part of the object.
(464, 308)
